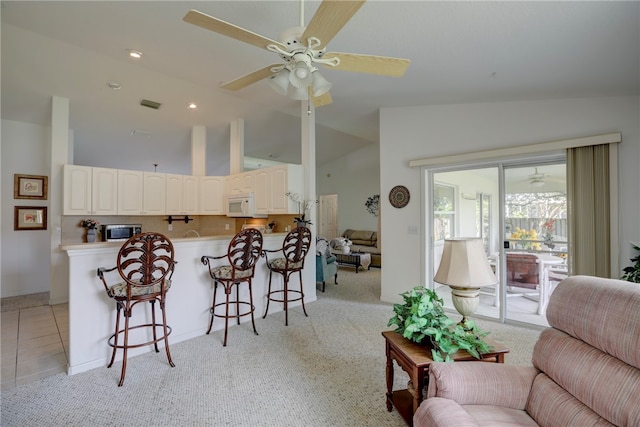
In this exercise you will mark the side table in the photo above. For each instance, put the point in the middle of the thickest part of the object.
(415, 359)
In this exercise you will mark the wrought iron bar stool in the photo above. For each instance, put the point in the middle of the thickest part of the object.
(244, 250)
(145, 264)
(295, 247)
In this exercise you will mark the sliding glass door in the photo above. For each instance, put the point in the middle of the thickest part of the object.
(466, 204)
(535, 230)
(519, 211)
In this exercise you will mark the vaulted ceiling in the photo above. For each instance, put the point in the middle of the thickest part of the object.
(460, 52)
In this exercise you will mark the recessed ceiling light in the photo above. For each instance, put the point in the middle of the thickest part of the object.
(192, 105)
(114, 85)
(136, 54)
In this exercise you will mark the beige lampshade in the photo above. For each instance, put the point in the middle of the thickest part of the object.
(465, 264)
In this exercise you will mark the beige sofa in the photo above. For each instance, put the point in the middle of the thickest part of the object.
(365, 241)
(586, 368)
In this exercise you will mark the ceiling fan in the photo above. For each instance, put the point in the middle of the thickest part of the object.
(537, 179)
(303, 50)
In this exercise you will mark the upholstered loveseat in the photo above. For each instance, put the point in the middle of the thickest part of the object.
(586, 368)
(365, 241)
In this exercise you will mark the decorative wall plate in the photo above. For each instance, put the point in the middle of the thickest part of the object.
(399, 196)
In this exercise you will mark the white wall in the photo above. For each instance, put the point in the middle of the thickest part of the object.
(354, 178)
(25, 254)
(428, 131)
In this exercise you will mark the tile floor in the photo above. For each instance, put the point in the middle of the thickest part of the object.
(34, 343)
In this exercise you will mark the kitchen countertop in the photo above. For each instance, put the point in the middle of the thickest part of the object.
(175, 240)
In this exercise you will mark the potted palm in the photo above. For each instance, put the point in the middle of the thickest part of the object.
(421, 318)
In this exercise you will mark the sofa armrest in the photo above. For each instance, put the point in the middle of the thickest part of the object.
(440, 412)
(482, 383)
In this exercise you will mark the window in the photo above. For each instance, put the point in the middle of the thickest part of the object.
(444, 211)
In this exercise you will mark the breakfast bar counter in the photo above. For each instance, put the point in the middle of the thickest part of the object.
(92, 313)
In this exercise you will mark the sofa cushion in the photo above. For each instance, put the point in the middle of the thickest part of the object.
(361, 237)
(607, 317)
(499, 416)
(604, 385)
(551, 405)
(485, 384)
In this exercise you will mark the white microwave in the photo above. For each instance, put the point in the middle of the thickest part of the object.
(242, 206)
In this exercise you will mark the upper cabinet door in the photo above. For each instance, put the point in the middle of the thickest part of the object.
(212, 195)
(130, 190)
(104, 197)
(154, 193)
(285, 179)
(174, 196)
(262, 191)
(191, 194)
(77, 190)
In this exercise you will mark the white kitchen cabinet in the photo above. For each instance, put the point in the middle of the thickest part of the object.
(104, 191)
(240, 183)
(285, 179)
(182, 194)
(212, 195)
(77, 190)
(262, 191)
(191, 194)
(154, 192)
(89, 191)
(130, 191)
(174, 197)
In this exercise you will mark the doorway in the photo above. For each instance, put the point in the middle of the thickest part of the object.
(515, 208)
(328, 216)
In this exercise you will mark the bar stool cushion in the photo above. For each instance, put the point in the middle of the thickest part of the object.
(225, 272)
(119, 290)
(280, 264)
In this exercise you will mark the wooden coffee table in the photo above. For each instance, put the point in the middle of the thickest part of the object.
(356, 259)
(415, 359)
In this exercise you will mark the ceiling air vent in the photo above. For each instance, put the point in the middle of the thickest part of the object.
(151, 104)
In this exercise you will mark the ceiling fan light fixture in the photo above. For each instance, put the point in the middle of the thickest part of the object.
(299, 94)
(537, 183)
(320, 84)
(300, 76)
(280, 81)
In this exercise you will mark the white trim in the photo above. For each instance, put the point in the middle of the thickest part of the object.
(519, 150)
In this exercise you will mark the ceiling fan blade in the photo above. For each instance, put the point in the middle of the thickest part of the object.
(330, 17)
(244, 81)
(226, 29)
(382, 65)
(319, 101)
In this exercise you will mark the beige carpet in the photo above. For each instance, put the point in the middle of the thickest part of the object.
(24, 301)
(327, 369)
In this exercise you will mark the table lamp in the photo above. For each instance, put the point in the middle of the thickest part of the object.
(464, 267)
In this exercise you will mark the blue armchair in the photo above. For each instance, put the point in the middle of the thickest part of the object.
(326, 265)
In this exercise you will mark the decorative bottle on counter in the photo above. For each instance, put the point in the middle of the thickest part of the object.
(91, 235)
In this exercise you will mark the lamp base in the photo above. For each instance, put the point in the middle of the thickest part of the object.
(465, 325)
(465, 300)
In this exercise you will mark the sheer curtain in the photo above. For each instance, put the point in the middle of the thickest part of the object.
(588, 194)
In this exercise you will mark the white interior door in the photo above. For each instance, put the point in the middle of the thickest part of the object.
(328, 216)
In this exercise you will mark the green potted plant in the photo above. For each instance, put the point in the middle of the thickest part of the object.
(421, 318)
(632, 272)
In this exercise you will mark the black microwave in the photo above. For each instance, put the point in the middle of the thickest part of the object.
(119, 232)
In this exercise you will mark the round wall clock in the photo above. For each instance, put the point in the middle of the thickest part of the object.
(399, 196)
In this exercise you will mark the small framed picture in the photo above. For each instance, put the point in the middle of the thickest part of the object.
(30, 218)
(30, 187)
